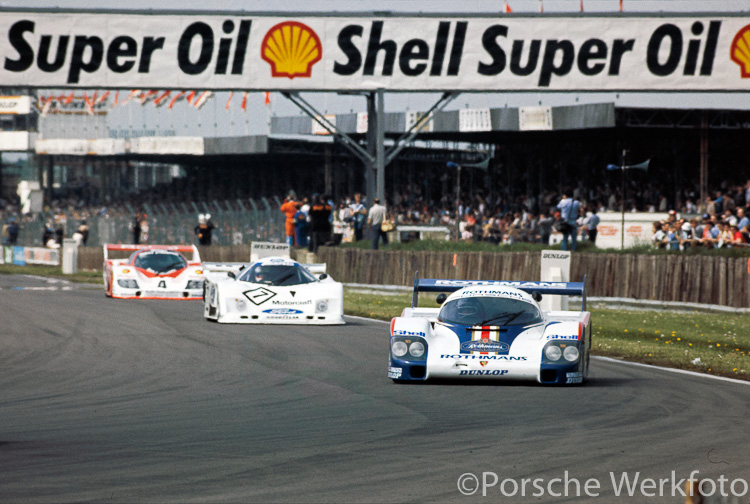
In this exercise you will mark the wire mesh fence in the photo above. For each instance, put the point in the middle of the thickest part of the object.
(235, 222)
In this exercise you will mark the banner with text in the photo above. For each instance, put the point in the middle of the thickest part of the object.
(674, 52)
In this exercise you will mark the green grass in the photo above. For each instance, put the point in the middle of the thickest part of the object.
(670, 339)
(93, 276)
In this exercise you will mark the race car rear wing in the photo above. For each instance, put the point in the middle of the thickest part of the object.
(555, 288)
(183, 249)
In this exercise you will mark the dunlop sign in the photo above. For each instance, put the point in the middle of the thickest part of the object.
(140, 51)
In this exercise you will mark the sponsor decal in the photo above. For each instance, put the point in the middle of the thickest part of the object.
(740, 51)
(493, 293)
(484, 346)
(282, 311)
(279, 302)
(394, 372)
(561, 337)
(551, 255)
(481, 357)
(483, 363)
(291, 48)
(399, 332)
(482, 372)
(679, 53)
(283, 317)
(259, 296)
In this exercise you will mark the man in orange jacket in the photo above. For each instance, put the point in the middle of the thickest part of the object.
(289, 207)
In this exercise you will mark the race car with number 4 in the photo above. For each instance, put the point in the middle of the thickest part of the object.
(491, 330)
(153, 272)
(274, 290)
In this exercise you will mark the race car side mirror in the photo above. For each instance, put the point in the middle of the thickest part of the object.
(536, 296)
(231, 274)
(441, 298)
(323, 276)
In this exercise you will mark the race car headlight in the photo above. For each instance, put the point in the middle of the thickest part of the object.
(194, 284)
(127, 283)
(571, 353)
(241, 305)
(416, 349)
(399, 348)
(553, 352)
(321, 306)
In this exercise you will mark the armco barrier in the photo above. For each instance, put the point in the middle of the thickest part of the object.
(695, 279)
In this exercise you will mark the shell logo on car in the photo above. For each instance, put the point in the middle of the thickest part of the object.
(740, 51)
(291, 48)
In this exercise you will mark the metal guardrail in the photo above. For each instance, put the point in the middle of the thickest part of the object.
(236, 222)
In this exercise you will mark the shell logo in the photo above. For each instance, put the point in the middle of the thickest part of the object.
(740, 51)
(291, 48)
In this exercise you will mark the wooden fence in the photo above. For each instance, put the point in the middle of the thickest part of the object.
(695, 279)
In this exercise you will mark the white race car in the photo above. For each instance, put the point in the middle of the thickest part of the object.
(491, 330)
(274, 290)
(153, 272)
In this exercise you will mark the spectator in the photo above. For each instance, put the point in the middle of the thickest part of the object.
(137, 229)
(83, 229)
(204, 229)
(659, 237)
(360, 216)
(738, 239)
(12, 231)
(289, 208)
(545, 228)
(569, 209)
(301, 227)
(711, 232)
(320, 226)
(375, 219)
(590, 224)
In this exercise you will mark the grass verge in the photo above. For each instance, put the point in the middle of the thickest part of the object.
(93, 276)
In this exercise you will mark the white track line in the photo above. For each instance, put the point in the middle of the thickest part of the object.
(671, 370)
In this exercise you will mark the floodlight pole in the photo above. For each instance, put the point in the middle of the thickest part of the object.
(622, 206)
(458, 203)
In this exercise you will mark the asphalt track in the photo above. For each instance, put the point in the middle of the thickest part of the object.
(144, 401)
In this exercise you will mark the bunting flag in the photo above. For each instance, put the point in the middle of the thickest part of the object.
(620, 5)
(131, 95)
(204, 96)
(244, 101)
(103, 97)
(178, 96)
(46, 106)
(229, 100)
(69, 99)
(267, 99)
(116, 100)
(158, 102)
(507, 8)
(581, 5)
(541, 7)
(190, 97)
(148, 96)
(89, 103)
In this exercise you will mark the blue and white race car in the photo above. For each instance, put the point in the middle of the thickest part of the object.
(491, 330)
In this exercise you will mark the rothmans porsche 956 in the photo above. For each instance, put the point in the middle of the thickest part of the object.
(153, 272)
(491, 330)
(274, 290)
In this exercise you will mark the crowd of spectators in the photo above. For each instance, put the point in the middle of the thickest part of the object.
(718, 221)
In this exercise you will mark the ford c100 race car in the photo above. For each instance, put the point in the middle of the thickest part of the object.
(153, 272)
(491, 330)
(274, 290)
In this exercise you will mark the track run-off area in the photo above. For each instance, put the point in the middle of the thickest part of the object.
(106, 400)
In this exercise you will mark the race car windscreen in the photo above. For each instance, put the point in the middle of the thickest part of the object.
(286, 274)
(499, 311)
(159, 261)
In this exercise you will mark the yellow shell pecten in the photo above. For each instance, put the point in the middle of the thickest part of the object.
(740, 51)
(291, 48)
